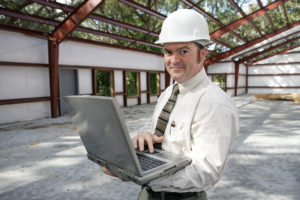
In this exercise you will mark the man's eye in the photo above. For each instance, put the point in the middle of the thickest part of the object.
(183, 52)
(166, 52)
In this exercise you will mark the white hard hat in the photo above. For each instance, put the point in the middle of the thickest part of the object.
(184, 25)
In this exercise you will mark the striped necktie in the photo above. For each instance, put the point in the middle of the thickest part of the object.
(165, 113)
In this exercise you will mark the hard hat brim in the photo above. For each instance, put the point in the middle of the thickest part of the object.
(203, 42)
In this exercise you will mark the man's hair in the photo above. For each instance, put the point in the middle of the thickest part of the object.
(200, 47)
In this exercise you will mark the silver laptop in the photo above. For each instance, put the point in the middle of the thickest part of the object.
(107, 142)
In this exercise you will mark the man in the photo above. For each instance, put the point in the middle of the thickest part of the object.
(202, 121)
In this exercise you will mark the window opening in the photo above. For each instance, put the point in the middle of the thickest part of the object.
(154, 84)
(132, 80)
(104, 81)
(220, 79)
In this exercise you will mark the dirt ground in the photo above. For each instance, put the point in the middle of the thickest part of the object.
(45, 159)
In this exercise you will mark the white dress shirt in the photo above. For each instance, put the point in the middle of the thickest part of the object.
(204, 123)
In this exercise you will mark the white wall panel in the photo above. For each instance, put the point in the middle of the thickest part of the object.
(143, 77)
(85, 81)
(17, 47)
(272, 90)
(276, 69)
(118, 81)
(282, 58)
(241, 91)
(92, 55)
(162, 81)
(23, 82)
(242, 69)
(274, 81)
(24, 111)
(242, 81)
(227, 67)
(153, 99)
(120, 100)
(143, 98)
(132, 101)
(230, 81)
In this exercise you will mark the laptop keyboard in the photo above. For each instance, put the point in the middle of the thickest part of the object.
(148, 163)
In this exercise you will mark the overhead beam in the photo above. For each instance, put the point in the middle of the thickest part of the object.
(200, 10)
(246, 19)
(86, 30)
(67, 8)
(244, 15)
(285, 14)
(279, 52)
(117, 37)
(28, 17)
(33, 33)
(267, 15)
(270, 48)
(249, 44)
(265, 45)
(74, 20)
(143, 8)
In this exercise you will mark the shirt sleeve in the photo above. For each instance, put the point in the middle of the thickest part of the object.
(212, 132)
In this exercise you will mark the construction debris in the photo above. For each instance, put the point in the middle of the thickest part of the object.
(286, 97)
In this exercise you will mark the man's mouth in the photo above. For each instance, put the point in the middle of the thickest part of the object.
(177, 67)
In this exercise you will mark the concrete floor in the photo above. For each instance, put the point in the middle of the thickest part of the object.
(45, 159)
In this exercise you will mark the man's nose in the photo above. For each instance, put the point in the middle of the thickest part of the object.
(175, 58)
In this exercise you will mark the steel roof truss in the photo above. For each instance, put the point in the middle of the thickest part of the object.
(270, 48)
(249, 44)
(246, 19)
(243, 55)
(285, 14)
(279, 52)
(143, 8)
(267, 15)
(244, 15)
(83, 29)
(74, 20)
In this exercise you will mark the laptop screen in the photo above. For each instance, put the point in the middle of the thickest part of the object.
(102, 130)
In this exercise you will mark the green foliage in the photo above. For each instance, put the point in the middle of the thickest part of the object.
(132, 84)
(222, 10)
(104, 83)
(221, 79)
(154, 83)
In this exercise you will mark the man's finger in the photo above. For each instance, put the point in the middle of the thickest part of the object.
(135, 141)
(106, 171)
(141, 142)
(157, 139)
(149, 140)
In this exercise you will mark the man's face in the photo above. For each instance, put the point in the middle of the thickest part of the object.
(181, 60)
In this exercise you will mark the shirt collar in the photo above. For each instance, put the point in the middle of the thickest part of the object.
(199, 79)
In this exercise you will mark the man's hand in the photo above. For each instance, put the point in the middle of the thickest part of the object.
(148, 138)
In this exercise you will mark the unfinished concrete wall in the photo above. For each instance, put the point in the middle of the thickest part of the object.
(29, 78)
(279, 74)
(74, 53)
(18, 82)
(228, 68)
(241, 89)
